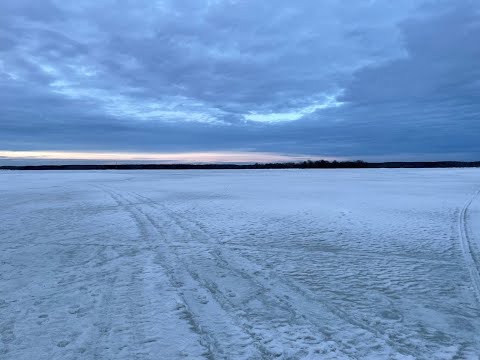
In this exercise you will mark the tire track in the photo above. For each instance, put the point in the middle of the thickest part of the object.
(220, 338)
(301, 303)
(240, 316)
(466, 245)
(184, 309)
(184, 312)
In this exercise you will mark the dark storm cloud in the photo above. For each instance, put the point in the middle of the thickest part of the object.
(368, 78)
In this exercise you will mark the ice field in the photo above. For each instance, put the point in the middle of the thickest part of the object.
(256, 264)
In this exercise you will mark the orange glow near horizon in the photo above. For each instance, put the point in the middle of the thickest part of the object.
(192, 157)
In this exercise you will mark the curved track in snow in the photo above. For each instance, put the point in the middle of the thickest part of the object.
(288, 309)
(256, 322)
(465, 242)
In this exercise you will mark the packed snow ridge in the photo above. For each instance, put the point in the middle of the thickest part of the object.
(259, 264)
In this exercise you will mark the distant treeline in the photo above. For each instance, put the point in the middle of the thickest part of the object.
(320, 164)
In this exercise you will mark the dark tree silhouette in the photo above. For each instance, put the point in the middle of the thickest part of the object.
(309, 164)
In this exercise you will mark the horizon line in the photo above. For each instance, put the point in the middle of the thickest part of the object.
(174, 157)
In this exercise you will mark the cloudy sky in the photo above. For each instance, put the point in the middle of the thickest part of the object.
(240, 80)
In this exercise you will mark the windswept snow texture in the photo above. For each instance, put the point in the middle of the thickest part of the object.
(287, 264)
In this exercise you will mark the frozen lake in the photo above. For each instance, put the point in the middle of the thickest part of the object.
(316, 264)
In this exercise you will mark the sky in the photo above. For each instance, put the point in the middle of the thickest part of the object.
(239, 80)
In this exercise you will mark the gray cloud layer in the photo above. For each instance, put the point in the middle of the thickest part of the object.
(374, 79)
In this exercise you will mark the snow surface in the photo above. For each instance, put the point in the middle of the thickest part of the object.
(315, 264)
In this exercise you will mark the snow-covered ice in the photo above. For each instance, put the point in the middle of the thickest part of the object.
(315, 264)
